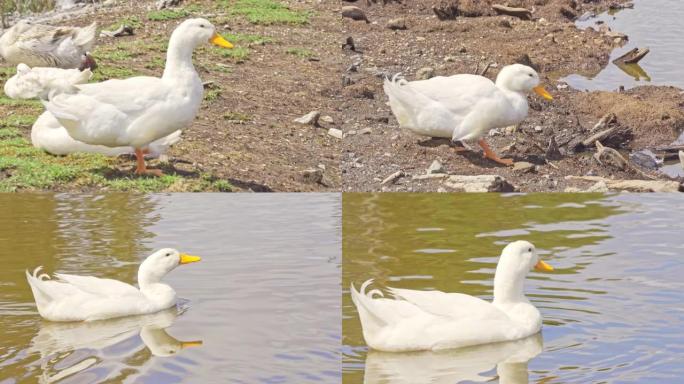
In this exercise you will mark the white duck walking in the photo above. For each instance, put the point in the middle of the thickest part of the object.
(39, 45)
(86, 298)
(139, 110)
(434, 320)
(464, 107)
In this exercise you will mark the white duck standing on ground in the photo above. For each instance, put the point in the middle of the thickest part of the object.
(86, 298)
(39, 45)
(434, 320)
(139, 110)
(464, 107)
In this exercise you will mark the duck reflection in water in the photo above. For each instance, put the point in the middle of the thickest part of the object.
(82, 345)
(455, 366)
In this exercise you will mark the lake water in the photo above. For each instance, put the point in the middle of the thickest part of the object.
(261, 307)
(613, 309)
(654, 24)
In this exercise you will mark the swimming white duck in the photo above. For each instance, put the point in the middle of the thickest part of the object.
(464, 107)
(434, 320)
(86, 298)
(38, 82)
(49, 135)
(39, 45)
(139, 110)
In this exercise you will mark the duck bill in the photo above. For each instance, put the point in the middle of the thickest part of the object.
(539, 90)
(542, 266)
(187, 259)
(190, 344)
(220, 41)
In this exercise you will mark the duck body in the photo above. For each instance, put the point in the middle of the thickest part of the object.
(38, 45)
(434, 320)
(459, 107)
(132, 112)
(86, 298)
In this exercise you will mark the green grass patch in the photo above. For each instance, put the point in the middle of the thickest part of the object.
(31, 104)
(167, 14)
(266, 12)
(236, 55)
(17, 121)
(247, 39)
(212, 94)
(131, 21)
(300, 52)
(103, 73)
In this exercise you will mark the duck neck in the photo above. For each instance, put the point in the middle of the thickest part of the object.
(509, 284)
(178, 59)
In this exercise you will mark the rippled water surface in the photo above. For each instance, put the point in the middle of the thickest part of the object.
(613, 309)
(654, 24)
(251, 310)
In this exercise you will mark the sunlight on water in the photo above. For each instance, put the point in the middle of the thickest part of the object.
(654, 24)
(250, 310)
(611, 309)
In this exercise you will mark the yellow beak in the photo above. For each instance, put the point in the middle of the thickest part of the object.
(189, 344)
(187, 259)
(539, 90)
(542, 266)
(220, 41)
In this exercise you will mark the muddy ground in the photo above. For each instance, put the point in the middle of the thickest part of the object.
(244, 135)
(374, 147)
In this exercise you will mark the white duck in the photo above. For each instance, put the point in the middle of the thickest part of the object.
(38, 45)
(139, 110)
(434, 320)
(681, 157)
(38, 82)
(464, 107)
(86, 298)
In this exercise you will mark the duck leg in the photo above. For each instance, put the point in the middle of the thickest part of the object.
(488, 153)
(141, 169)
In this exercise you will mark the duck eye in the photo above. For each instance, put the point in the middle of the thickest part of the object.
(201, 25)
(168, 254)
(529, 250)
(530, 75)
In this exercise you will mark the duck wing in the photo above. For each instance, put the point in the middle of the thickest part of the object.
(454, 306)
(98, 286)
(458, 93)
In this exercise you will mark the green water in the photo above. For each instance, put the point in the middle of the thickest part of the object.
(611, 309)
(269, 264)
(654, 24)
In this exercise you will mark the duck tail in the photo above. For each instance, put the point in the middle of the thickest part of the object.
(371, 320)
(161, 146)
(403, 101)
(85, 37)
(40, 293)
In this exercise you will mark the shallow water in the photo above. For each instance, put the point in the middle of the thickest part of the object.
(655, 24)
(612, 309)
(270, 265)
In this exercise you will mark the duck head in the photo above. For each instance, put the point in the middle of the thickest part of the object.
(194, 32)
(521, 78)
(158, 264)
(517, 259)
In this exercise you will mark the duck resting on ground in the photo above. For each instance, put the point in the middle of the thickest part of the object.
(434, 320)
(137, 111)
(39, 45)
(38, 82)
(86, 298)
(464, 107)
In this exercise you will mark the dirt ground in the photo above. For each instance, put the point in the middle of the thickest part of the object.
(374, 147)
(244, 133)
